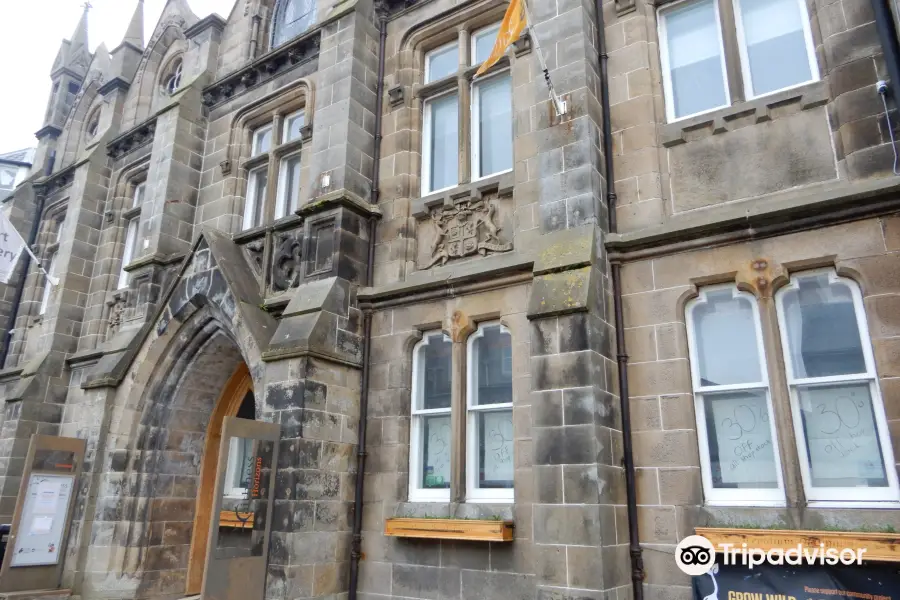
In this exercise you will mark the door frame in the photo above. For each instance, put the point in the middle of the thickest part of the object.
(228, 405)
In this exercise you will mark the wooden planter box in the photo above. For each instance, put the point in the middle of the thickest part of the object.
(879, 546)
(229, 518)
(450, 529)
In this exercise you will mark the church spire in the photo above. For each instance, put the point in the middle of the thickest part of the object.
(134, 36)
(79, 56)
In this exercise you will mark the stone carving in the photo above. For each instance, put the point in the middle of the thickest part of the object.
(464, 229)
(256, 250)
(117, 305)
(286, 263)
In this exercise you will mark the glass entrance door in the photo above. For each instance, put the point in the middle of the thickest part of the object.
(239, 537)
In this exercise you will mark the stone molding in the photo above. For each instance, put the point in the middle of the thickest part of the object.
(760, 109)
(300, 51)
(133, 139)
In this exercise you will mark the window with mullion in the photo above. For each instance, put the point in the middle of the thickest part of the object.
(713, 54)
(739, 457)
(132, 226)
(489, 429)
(839, 419)
(430, 430)
(487, 109)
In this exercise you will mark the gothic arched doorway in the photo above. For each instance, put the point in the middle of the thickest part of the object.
(236, 400)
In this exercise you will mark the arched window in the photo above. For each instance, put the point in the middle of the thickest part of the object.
(172, 79)
(292, 17)
(93, 123)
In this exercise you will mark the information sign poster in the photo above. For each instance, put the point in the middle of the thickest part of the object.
(768, 582)
(43, 520)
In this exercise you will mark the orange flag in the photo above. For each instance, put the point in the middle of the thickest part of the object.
(514, 23)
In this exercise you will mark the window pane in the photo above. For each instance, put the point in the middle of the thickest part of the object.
(292, 127)
(293, 18)
(484, 44)
(492, 357)
(48, 287)
(139, 191)
(495, 125)
(290, 195)
(841, 436)
(740, 440)
(444, 139)
(727, 346)
(495, 449)
(695, 58)
(129, 250)
(434, 373)
(442, 63)
(436, 451)
(776, 45)
(823, 334)
(256, 197)
(262, 141)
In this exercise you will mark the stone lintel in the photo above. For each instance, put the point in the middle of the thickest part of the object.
(561, 293)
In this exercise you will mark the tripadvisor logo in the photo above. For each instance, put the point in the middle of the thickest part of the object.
(695, 555)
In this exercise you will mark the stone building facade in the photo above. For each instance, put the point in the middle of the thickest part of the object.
(437, 286)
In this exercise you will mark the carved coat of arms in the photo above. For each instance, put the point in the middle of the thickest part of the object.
(464, 229)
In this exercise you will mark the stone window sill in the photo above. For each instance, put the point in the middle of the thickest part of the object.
(759, 110)
(502, 184)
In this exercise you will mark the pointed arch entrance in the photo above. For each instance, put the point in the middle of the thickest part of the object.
(236, 400)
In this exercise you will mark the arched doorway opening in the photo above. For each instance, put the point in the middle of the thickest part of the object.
(236, 400)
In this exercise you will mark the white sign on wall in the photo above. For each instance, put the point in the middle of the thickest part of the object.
(43, 520)
(11, 246)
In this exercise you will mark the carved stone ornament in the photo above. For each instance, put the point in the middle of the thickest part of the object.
(256, 250)
(117, 305)
(464, 229)
(286, 263)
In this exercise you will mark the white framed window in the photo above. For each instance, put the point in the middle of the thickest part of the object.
(131, 235)
(288, 197)
(293, 126)
(430, 427)
(173, 79)
(130, 248)
(839, 419)
(492, 126)
(292, 17)
(442, 62)
(771, 48)
(262, 140)
(48, 287)
(693, 59)
(440, 154)
(257, 185)
(239, 468)
(739, 457)
(776, 45)
(489, 428)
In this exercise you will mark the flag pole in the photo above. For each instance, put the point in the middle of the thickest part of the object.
(558, 104)
(53, 280)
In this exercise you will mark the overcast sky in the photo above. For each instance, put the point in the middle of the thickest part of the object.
(30, 34)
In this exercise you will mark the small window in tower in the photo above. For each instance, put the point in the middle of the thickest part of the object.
(93, 123)
(73, 87)
(172, 80)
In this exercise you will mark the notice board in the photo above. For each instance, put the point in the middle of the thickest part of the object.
(35, 550)
(43, 521)
(869, 581)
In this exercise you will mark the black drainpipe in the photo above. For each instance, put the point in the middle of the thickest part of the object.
(634, 543)
(887, 33)
(356, 543)
(26, 265)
